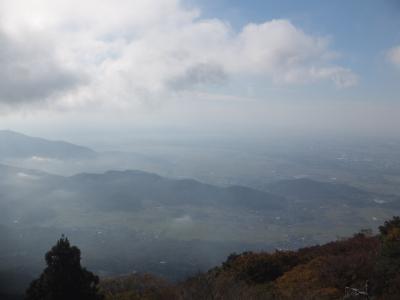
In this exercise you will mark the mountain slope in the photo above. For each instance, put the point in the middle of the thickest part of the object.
(17, 145)
(361, 267)
(312, 192)
(133, 220)
(128, 189)
(114, 214)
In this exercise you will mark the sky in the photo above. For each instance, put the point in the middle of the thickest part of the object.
(88, 68)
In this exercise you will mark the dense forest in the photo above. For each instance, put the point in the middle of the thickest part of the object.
(364, 266)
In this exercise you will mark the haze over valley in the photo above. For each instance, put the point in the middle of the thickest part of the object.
(129, 220)
(196, 150)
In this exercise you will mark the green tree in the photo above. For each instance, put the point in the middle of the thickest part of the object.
(390, 247)
(64, 278)
(388, 264)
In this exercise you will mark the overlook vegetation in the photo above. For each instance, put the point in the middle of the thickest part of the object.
(64, 278)
(364, 263)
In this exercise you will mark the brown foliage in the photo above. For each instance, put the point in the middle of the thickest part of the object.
(138, 287)
(318, 272)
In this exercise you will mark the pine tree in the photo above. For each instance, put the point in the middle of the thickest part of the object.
(64, 278)
(388, 263)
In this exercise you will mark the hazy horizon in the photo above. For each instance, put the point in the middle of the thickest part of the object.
(199, 68)
(161, 136)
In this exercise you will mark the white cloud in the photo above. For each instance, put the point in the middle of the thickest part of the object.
(393, 56)
(29, 71)
(130, 51)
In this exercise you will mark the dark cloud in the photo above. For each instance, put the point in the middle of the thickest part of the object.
(29, 71)
(200, 74)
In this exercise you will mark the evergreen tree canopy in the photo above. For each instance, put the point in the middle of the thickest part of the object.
(64, 278)
(388, 263)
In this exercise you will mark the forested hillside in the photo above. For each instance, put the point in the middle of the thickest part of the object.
(364, 266)
(345, 269)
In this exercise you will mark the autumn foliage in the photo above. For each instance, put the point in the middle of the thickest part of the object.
(319, 272)
(365, 262)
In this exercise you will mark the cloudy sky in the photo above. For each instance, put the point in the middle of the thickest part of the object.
(230, 66)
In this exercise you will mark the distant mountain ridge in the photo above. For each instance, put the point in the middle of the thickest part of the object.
(116, 214)
(17, 145)
(306, 190)
(137, 187)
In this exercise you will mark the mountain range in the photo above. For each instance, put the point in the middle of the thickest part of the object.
(129, 221)
(17, 145)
